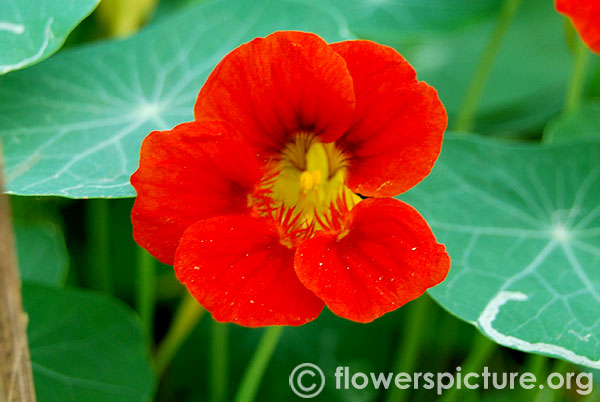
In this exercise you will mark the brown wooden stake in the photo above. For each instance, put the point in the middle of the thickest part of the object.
(16, 378)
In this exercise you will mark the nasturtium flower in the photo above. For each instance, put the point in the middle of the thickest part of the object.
(585, 16)
(276, 200)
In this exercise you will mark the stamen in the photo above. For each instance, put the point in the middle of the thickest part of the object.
(310, 180)
(304, 191)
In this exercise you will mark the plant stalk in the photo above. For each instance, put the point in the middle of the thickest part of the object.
(575, 88)
(98, 233)
(256, 369)
(410, 346)
(146, 289)
(466, 116)
(186, 317)
(16, 378)
(483, 349)
(219, 357)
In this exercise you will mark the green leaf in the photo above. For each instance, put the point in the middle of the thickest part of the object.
(94, 105)
(522, 226)
(85, 347)
(83, 139)
(519, 96)
(389, 21)
(582, 123)
(42, 253)
(31, 30)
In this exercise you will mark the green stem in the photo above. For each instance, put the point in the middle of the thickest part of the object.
(575, 88)
(476, 87)
(548, 394)
(535, 364)
(256, 369)
(410, 347)
(592, 397)
(219, 361)
(168, 287)
(145, 298)
(447, 325)
(186, 317)
(482, 350)
(98, 233)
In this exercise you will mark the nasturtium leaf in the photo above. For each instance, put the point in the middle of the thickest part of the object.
(519, 95)
(73, 125)
(522, 226)
(388, 21)
(31, 30)
(581, 123)
(85, 347)
(42, 253)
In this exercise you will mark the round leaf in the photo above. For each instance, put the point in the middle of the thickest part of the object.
(94, 105)
(31, 30)
(522, 226)
(42, 253)
(85, 347)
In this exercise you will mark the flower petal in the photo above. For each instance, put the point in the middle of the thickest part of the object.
(195, 171)
(273, 87)
(238, 270)
(585, 16)
(388, 258)
(399, 123)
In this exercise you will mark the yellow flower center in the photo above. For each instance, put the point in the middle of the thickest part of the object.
(305, 189)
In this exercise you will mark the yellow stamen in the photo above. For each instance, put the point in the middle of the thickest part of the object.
(310, 180)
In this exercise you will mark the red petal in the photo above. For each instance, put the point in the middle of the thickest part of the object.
(273, 87)
(239, 271)
(585, 16)
(397, 131)
(388, 258)
(195, 171)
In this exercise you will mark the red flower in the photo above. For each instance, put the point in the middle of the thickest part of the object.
(255, 203)
(585, 16)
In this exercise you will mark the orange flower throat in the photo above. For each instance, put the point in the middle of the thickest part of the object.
(304, 190)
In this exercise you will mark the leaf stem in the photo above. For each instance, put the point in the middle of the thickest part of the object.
(535, 364)
(123, 18)
(98, 232)
(482, 348)
(548, 394)
(219, 357)
(256, 369)
(575, 87)
(410, 347)
(186, 317)
(466, 116)
(145, 297)
(16, 378)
